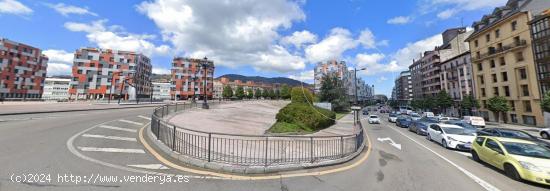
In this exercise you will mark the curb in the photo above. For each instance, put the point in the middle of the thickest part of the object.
(74, 110)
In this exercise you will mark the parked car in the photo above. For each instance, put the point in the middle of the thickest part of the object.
(420, 127)
(451, 136)
(545, 133)
(460, 123)
(519, 159)
(428, 114)
(475, 121)
(373, 119)
(415, 116)
(403, 121)
(392, 118)
(366, 112)
(441, 119)
(512, 133)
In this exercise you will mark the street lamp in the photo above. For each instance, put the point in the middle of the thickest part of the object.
(205, 67)
(356, 116)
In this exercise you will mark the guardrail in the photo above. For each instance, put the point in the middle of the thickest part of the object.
(251, 150)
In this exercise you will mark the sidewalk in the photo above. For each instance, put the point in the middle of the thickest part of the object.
(530, 129)
(18, 108)
(343, 126)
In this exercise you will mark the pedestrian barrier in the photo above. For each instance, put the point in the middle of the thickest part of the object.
(250, 150)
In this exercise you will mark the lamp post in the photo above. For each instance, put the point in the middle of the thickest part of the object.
(205, 68)
(356, 115)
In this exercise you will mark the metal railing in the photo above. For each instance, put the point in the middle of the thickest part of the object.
(250, 150)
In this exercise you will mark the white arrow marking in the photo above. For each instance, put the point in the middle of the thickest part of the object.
(149, 166)
(392, 143)
(143, 117)
(131, 122)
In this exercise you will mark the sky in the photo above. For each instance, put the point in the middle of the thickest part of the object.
(271, 38)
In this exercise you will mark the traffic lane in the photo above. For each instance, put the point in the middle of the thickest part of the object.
(412, 167)
(34, 146)
(463, 159)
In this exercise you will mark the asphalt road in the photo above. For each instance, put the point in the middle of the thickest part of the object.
(75, 143)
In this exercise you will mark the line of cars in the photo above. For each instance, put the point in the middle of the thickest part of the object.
(518, 154)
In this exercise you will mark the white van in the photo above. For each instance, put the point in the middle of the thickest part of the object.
(428, 114)
(475, 121)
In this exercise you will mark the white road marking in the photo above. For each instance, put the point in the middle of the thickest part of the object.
(464, 153)
(143, 117)
(478, 180)
(111, 150)
(118, 128)
(131, 122)
(150, 166)
(110, 137)
(392, 143)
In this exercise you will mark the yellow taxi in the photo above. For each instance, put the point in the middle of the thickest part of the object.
(519, 159)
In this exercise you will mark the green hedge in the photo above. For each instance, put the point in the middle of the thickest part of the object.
(301, 95)
(306, 117)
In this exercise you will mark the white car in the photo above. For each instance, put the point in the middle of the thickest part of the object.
(415, 116)
(428, 114)
(447, 118)
(545, 133)
(475, 121)
(451, 136)
(374, 119)
(392, 118)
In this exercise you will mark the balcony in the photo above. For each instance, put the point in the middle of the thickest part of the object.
(498, 51)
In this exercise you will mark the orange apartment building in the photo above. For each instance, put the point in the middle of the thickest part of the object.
(188, 77)
(22, 70)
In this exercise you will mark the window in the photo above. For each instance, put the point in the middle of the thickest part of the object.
(476, 43)
(483, 92)
(480, 66)
(493, 145)
(522, 74)
(493, 64)
(525, 90)
(519, 56)
(494, 76)
(495, 91)
(497, 33)
(527, 106)
(502, 61)
(484, 103)
(504, 76)
(481, 80)
(514, 118)
(488, 37)
(506, 91)
(514, 25)
(512, 106)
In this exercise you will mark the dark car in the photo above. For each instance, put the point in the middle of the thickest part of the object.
(461, 124)
(512, 133)
(420, 127)
(365, 112)
(403, 121)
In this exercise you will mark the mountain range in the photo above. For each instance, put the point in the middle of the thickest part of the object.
(282, 80)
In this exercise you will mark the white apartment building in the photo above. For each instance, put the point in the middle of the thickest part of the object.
(161, 91)
(56, 89)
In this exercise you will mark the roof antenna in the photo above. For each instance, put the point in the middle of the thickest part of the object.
(461, 21)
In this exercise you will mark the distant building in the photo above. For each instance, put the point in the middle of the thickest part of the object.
(188, 76)
(103, 73)
(223, 82)
(403, 90)
(540, 32)
(56, 89)
(22, 70)
(337, 68)
(218, 89)
(161, 91)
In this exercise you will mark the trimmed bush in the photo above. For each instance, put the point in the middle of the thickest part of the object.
(301, 95)
(305, 117)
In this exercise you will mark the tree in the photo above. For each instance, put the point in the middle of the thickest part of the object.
(258, 93)
(498, 105)
(443, 100)
(417, 103)
(277, 94)
(468, 104)
(249, 93)
(239, 93)
(285, 92)
(271, 94)
(265, 93)
(332, 90)
(545, 102)
(227, 92)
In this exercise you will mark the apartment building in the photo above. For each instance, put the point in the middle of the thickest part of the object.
(56, 89)
(100, 74)
(430, 69)
(540, 33)
(189, 76)
(161, 91)
(22, 70)
(218, 89)
(223, 82)
(503, 62)
(403, 89)
(416, 78)
(338, 68)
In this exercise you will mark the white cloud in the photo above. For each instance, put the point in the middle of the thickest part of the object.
(305, 76)
(112, 38)
(381, 79)
(299, 38)
(399, 20)
(60, 62)
(66, 10)
(14, 7)
(232, 33)
(453, 7)
(366, 38)
(158, 70)
(398, 61)
(337, 42)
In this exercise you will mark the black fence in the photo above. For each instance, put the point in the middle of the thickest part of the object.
(250, 150)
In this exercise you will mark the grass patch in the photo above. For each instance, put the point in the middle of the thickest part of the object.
(339, 115)
(283, 127)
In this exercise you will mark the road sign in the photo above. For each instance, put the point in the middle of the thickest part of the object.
(355, 108)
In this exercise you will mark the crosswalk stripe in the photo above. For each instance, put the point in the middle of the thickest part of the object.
(110, 137)
(111, 150)
(131, 122)
(118, 128)
(150, 166)
(143, 117)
